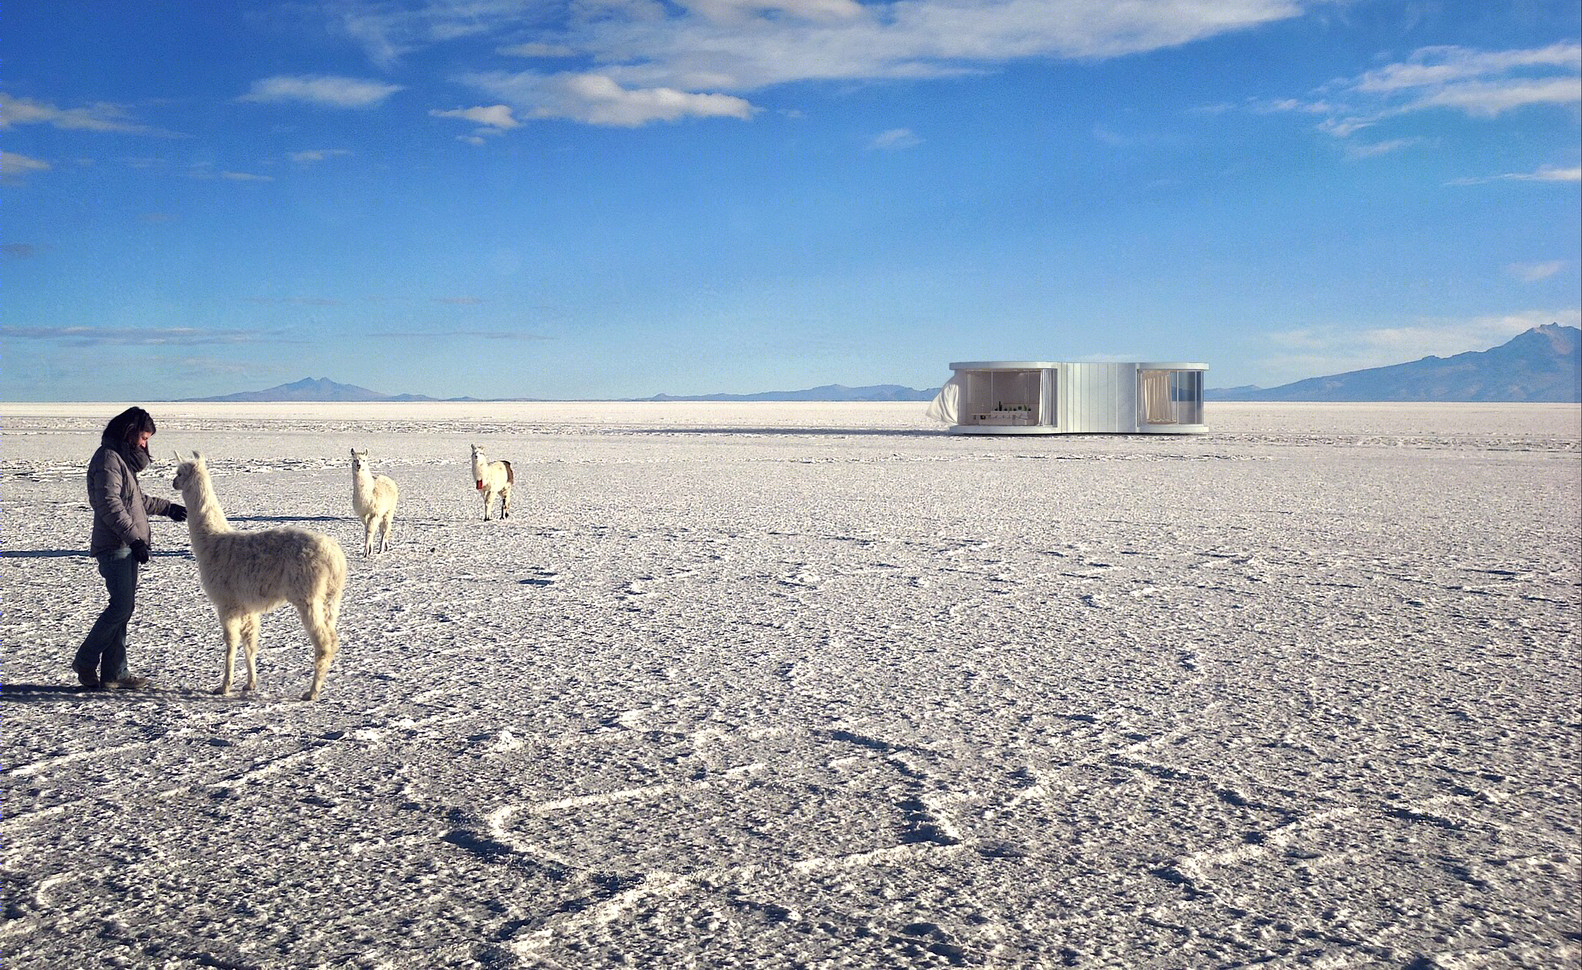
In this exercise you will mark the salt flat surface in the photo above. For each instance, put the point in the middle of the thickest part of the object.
(811, 685)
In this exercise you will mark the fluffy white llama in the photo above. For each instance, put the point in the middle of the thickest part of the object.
(248, 574)
(374, 499)
(492, 478)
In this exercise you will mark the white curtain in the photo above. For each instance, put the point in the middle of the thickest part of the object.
(946, 403)
(1156, 394)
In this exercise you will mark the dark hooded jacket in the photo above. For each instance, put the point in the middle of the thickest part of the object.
(120, 509)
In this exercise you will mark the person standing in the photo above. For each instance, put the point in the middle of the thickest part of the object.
(120, 544)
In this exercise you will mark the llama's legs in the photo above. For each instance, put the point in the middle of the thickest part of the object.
(488, 500)
(316, 620)
(250, 649)
(505, 502)
(370, 523)
(232, 626)
(386, 526)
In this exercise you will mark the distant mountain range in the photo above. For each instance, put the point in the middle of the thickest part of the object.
(826, 392)
(321, 389)
(1541, 365)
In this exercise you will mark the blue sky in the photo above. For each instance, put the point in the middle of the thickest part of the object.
(619, 198)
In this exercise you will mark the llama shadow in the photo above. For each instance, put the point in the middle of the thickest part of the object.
(41, 692)
(67, 554)
(59, 693)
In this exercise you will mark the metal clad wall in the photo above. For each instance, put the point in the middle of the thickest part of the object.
(1099, 398)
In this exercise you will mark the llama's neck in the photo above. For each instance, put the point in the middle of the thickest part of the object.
(204, 515)
(362, 487)
(479, 466)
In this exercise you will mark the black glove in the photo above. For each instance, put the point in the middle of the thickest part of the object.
(139, 550)
(176, 512)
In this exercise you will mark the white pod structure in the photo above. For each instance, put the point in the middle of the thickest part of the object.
(1050, 397)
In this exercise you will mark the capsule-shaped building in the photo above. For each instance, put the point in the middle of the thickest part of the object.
(1051, 397)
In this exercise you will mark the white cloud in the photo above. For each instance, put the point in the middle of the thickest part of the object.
(1490, 99)
(1375, 149)
(1439, 69)
(1547, 173)
(134, 336)
(318, 155)
(697, 58)
(598, 99)
(739, 11)
(14, 166)
(1478, 84)
(492, 119)
(1313, 352)
(100, 116)
(323, 90)
(895, 139)
(537, 50)
(1533, 272)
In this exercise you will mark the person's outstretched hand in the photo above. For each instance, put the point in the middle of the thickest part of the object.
(177, 512)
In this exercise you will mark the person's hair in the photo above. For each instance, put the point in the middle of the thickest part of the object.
(130, 423)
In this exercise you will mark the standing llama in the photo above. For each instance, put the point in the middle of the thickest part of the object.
(374, 499)
(492, 478)
(248, 574)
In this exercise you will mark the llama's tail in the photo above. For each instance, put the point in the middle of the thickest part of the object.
(510, 475)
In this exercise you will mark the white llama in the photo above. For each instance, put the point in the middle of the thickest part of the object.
(248, 574)
(374, 499)
(492, 478)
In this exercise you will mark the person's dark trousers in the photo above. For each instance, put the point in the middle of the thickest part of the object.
(105, 647)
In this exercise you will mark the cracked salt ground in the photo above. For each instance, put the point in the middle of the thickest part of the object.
(1297, 692)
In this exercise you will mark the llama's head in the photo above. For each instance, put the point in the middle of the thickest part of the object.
(477, 452)
(189, 472)
(359, 459)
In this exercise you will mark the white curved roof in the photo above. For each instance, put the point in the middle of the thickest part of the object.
(1042, 364)
(1003, 365)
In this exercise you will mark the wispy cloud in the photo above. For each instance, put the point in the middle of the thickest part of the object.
(895, 139)
(1545, 174)
(537, 50)
(1474, 83)
(293, 301)
(510, 335)
(1375, 149)
(1315, 351)
(14, 167)
(315, 155)
(598, 99)
(323, 90)
(139, 336)
(100, 116)
(495, 119)
(19, 250)
(1533, 272)
(700, 58)
(1481, 83)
